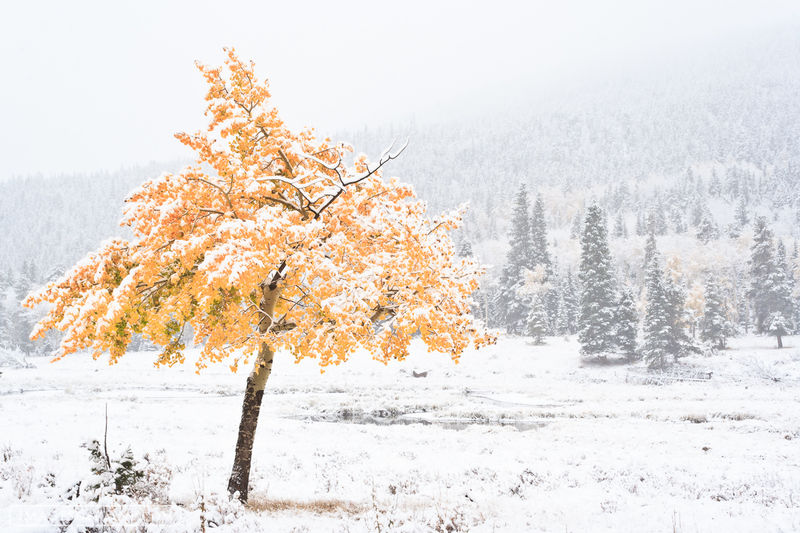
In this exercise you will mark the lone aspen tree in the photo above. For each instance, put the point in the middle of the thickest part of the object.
(272, 242)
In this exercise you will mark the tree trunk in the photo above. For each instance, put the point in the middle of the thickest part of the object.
(780, 341)
(251, 406)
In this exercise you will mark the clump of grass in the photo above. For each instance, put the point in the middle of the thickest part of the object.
(695, 419)
(320, 506)
(737, 417)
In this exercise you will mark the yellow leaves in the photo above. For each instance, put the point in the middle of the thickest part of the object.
(357, 262)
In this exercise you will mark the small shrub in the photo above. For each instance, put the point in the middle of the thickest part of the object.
(128, 476)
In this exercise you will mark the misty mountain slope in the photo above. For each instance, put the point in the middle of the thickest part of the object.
(739, 107)
(55, 221)
(732, 116)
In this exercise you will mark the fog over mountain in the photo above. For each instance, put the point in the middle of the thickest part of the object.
(110, 85)
(735, 106)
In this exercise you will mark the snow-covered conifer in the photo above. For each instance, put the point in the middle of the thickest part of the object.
(465, 248)
(657, 326)
(784, 282)
(742, 218)
(698, 210)
(569, 306)
(715, 186)
(620, 230)
(5, 334)
(598, 304)
(641, 226)
(650, 251)
(677, 220)
(539, 252)
(536, 326)
(769, 290)
(576, 227)
(777, 325)
(513, 307)
(794, 274)
(675, 290)
(657, 221)
(707, 230)
(627, 322)
(715, 327)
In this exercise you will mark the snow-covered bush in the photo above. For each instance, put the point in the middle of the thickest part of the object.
(142, 479)
(18, 474)
(13, 358)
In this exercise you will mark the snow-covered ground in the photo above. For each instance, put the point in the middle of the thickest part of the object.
(514, 438)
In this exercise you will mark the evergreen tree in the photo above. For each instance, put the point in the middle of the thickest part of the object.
(552, 306)
(24, 282)
(641, 226)
(6, 281)
(5, 335)
(620, 230)
(777, 326)
(656, 221)
(676, 217)
(20, 329)
(680, 343)
(742, 308)
(465, 248)
(575, 228)
(539, 253)
(793, 276)
(536, 326)
(715, 186)
(742, 218)
(596, 320)
(698, 210)
(485, 304)
(491, 225)
(569, 306)
(31, 272)
(540, 256)
(512, 306)
(715, 326)
(784, 282)
(21, 319)
(650, 251)
(733, 231)
(732, 182)
(707, 231)
(769, 290)
(660, 221)
(627, 323)
(657, 325)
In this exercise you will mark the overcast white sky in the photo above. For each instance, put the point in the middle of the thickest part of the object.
(97, 85)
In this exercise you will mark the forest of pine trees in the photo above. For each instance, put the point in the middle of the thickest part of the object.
(651, 311)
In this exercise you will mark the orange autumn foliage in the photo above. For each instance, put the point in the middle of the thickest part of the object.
(358, 263)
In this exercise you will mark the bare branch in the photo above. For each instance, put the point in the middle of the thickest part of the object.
(386, 156)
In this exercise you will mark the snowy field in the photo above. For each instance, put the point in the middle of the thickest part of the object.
(514, 438)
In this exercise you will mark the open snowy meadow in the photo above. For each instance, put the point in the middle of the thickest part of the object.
(515, 437)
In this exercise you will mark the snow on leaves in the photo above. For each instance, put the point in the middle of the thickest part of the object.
(356, 261)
